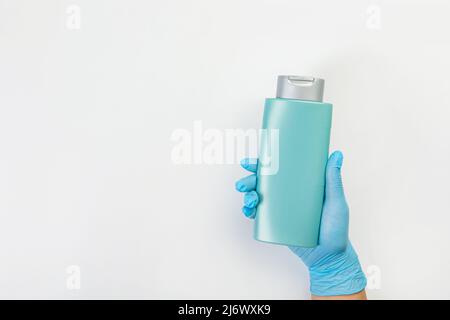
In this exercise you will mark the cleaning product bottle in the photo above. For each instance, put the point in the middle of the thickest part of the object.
(292, 161)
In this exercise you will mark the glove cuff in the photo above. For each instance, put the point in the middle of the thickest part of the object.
(342, 276)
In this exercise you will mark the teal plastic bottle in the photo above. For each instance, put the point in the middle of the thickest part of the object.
(293, 156)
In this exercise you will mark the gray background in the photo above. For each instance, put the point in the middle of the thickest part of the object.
(86, 116)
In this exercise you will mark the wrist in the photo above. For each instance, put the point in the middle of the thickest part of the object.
(356, 296)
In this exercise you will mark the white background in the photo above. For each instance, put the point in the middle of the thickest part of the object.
(86, 116)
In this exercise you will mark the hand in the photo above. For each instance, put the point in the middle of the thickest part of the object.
(333, 265)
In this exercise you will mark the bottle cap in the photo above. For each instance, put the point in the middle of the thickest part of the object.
(300, 87)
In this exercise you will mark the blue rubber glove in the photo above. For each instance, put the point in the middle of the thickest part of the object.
(333, 265)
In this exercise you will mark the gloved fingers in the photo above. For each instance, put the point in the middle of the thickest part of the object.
(333, 186)
(249, 212)
(251, 199)
(250, 164)
(246, 184)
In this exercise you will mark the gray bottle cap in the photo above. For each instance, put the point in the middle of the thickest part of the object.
(301, 88)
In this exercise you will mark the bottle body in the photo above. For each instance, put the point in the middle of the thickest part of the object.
(291, 197)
